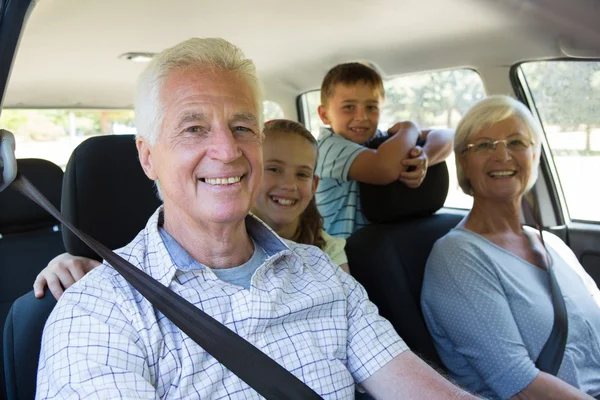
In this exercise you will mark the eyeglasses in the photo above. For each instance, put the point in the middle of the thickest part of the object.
(513, 145)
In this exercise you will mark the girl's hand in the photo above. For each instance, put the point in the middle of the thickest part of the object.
(63, 271)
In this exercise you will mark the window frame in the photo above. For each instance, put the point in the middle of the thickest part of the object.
(556, 213)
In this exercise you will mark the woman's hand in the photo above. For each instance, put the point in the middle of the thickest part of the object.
(62, 271)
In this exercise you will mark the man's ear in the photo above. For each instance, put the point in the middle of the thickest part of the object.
(323, 114)
(315, 185)
(145, 155)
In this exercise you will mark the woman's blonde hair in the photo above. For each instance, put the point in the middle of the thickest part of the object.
(486, 113)
(310, 225)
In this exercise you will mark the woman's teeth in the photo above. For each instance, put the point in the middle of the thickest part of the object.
(499, 174)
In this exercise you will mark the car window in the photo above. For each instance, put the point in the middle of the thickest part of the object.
(53, 134)
(566, 96)
(431, 99)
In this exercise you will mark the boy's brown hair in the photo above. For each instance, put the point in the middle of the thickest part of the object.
(350, 74)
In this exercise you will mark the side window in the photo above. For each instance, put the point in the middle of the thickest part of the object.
(271, 110)
(431, 99)
(53, 134)
(566, 95)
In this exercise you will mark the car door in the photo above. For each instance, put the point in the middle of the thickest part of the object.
(13, 14)
(565, 95)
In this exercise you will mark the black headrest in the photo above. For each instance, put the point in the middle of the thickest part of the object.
(19, 214)
(106, 193)
(396, 201)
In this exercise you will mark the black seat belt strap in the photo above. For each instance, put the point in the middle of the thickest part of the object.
(251, 365)
(551, 355)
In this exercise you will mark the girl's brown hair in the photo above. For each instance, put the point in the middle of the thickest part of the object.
(310, 224)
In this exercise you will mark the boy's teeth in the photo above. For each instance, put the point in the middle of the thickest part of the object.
(222, 181)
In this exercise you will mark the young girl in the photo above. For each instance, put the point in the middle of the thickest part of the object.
(286, 203)
(287, 198)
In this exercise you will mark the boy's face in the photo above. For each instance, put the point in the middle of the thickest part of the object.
(353, 111)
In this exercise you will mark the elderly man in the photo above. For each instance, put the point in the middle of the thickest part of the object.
(198, 114)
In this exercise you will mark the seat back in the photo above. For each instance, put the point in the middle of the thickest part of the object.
(389, 261)
(22, 339)
(105, 194)
(29, 237)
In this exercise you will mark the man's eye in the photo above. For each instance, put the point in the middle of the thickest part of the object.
(372, 108)
(304, 175)
(194, 129)
(483, 146)
(242, 129)
(349, 107)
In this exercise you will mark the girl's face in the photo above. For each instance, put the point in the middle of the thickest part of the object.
(289, 182)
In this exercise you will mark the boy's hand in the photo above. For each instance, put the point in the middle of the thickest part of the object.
(414, 177)
(402, 126)
(62, 271)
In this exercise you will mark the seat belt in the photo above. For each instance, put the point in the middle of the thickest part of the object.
(552, 353)
(251, 365)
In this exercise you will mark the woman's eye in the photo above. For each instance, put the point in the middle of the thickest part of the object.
(517, 144)
(483, 146)
(273, 169)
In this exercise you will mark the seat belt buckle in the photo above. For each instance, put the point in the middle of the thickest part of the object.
(8, 161)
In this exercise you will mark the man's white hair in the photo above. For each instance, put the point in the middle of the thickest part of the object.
(212, 54)
(486, 113)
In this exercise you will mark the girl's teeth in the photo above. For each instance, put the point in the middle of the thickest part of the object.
(284, 202)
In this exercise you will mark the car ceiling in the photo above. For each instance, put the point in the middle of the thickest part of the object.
(68, 55)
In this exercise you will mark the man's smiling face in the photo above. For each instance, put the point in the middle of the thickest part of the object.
(208, 156)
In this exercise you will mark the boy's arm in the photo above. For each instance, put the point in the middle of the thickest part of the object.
(438, 144)
(383, 165)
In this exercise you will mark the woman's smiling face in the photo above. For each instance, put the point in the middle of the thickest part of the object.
(502, 172)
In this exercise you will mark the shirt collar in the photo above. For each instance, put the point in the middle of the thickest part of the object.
(263, 235)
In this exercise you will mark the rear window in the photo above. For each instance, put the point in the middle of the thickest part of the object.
(436, 99)
(53, 134)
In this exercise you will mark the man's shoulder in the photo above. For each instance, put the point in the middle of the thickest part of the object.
(310, 256)
(105, 282)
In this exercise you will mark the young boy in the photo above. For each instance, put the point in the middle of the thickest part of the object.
(352, 96)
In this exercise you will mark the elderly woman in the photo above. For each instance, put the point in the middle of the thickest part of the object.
(487, 296)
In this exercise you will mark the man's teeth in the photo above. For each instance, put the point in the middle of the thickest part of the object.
(502, 173)
(284, 202)
(223, 181)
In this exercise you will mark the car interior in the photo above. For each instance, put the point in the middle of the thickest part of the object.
(86, 55)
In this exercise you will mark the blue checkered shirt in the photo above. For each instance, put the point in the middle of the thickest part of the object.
(105, 341)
